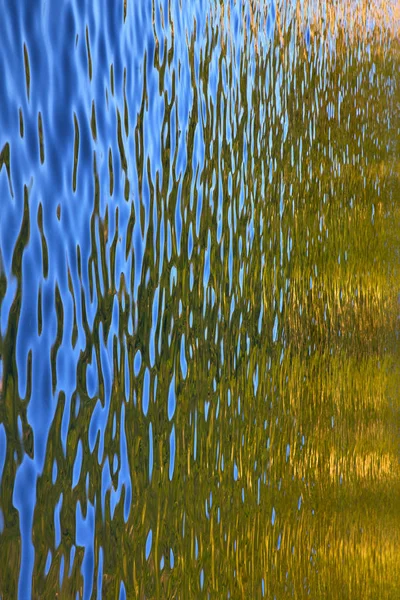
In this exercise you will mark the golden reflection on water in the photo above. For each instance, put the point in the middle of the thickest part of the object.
(286, 475)
(274, 319)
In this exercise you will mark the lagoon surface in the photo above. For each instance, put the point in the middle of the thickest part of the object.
(199, 300)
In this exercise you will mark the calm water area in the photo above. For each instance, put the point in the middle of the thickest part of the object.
(199, 300)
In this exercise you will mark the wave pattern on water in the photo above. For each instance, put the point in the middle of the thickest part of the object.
(199, 248)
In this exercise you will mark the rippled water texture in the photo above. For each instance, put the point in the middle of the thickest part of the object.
(199, 287)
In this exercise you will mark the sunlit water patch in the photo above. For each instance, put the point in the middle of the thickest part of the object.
(199, 288)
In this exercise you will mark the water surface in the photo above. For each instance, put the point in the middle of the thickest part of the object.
(199, 329)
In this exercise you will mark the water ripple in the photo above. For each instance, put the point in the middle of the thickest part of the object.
(198, 291)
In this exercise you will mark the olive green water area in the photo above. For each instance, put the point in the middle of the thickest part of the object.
(255, 373)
